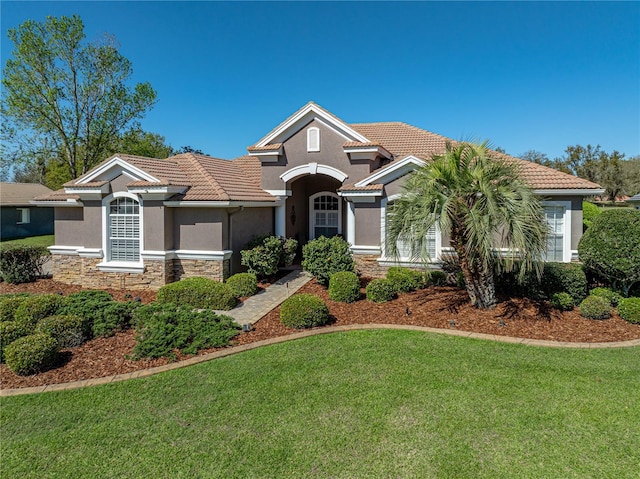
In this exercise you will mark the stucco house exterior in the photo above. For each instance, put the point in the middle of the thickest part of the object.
(18, 217)
(635, 201)
(135, 222)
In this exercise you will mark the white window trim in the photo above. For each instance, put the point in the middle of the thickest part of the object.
(120, 266)
(388, 260)
(22, 213)
(312, 225)
(310, 133)
(566, 224)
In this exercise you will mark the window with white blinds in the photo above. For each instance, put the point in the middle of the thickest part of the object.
(124, 230)
(404, 247)
(555, 217)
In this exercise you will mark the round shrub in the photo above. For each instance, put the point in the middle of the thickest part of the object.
(344, 286)
(380, 291)
(613, 297)
(9, 332)
(324, 256)
(404, 280)
(9, 303)
(31, 354)
(68, 331)
(243, 284)
(562, 301)
(37, 307)
(629, 309)
(595, 307)
(436, 278)
(564, 277)
(589, 213)
(201, 293)
(304, 311)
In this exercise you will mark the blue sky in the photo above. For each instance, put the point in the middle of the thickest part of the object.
(540, 75)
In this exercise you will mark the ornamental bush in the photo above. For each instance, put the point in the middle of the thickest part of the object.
(243, 284)
(324, 256)
(114, 317)
(163, 328)
(304, 311)
(31, 354)
(68, 331)
(436, 278)
(613, 297)
(564, 277)
(589, 213)
(22, 264)
(562, 301)
(263, 255)
(9, 332)
(380, 291)
(629, 309)
(405, 280)
(9, 303)
(610, 248)
(198, 292)
(595, 307)
(37, 307)
(344, 286)
(89, 305)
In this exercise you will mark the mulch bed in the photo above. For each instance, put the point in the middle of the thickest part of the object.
(437, 307)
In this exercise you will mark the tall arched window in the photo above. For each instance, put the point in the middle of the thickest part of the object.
(325, 215)
(124, 230)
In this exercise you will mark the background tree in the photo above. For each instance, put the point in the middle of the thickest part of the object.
(631, 174)
(143, 143)
(188, 149)
(64, 99)
(476, 199)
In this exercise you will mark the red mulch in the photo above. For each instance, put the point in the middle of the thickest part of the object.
(438, 307)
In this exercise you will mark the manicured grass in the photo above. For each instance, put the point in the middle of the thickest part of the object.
(372, 404)
(45, 240)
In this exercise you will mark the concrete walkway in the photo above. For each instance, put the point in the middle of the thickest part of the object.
(257, 306)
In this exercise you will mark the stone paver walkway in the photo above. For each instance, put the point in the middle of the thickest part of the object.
(257, 306)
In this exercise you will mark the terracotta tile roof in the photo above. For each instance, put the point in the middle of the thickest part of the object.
(90, 184)
(271, 147)
(352, 187)
(359, 144)
(19, 194)
(403, 140)
(58, 195)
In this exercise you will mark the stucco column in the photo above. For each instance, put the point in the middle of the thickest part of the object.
(281, 218)
(351, 223)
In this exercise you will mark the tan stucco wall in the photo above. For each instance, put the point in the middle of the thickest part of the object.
(120, 183)
(368, 223)
(92, 224)
(244, 225)
(153, 217)
(69, 226)
(199, 229)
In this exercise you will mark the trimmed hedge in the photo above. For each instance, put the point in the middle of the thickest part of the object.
(324, 256)
(595, 307)
(9, 332)
(304, 311)
(31, 354)
(68, 331)
(629, 309)
(22, 264)
(263, 255)
(562, 301)
(613, 297)
(201, 293)
(380, 291)
(243, 284)
(36, 307)
(405, 280)
(9, 304)
(344, 286)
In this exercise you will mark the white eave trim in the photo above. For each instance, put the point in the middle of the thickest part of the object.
(349, 194)
(568, 192)
(366, 152)
(313, 169)
(219, 204)
(133, 171)
(205, 255)
(88, 192)
(60, 203)
(393, 172)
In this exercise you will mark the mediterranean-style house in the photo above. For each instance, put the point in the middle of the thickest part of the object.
(134, 222)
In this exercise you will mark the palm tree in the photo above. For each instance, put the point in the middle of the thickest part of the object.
(483, 203)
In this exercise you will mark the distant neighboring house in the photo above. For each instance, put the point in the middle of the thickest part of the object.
(134, 222)
(634, 201)
(18, 217)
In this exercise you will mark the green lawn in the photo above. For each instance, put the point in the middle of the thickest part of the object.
(45, 240)
(370, 404)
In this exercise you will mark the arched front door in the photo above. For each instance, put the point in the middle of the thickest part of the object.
(325, 215)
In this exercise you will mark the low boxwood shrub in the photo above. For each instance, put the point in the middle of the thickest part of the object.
(22, 264)
(562, 301)
(114, 317)
(68, 331)
(344, 286)
(163, 328)
(9, 332)
(243, 284)
(613, 297)
(436, 278)
(629, 309)
(380, 291)
(9, 303)
(324, 256)
(405, 280)
(304, 311)
(565, 277)
(595, 307)
(198, 292)
(36, 307)
(31, 354)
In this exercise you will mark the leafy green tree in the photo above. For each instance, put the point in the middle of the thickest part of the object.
(585, 162)
(476, 199)
(542, 159)
(67, 98)
(611, 176)
(631, 174)
(143, 143)
(188, 149)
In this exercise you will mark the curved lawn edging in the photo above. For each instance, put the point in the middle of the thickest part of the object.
(304, 334)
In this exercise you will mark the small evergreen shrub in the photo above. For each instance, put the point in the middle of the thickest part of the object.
(201, 293)
(263, 260)
(36, 307)
(9, 304)
(436, 278)
(564, 277)
(629, 309)
(9, 332)
(22, 264)
(114, 317)
(89, 305)
(68, 331)
(595, 307)
(613, 297)
(289, 249)
(589, 213)
(31, 354)
(243, 284)
(324, 256)
(304, 311)
(380, 291)
(163, 328)
(344, 286)
(404, 280)
(562, 301)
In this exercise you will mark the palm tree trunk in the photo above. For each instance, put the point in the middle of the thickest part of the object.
(480, 285)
